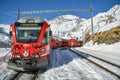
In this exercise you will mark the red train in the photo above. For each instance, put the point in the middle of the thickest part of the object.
(71, 43)
(65, 43)
(55, 43)
(31, 44)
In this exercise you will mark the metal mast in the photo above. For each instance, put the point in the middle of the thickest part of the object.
(91, 13)
(18, 14)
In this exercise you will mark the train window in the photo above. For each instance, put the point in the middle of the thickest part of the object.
(10, 34)
(50, 33)
(46, 39)
(27, 34)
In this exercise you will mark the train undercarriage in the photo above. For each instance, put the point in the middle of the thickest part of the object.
(27, 64)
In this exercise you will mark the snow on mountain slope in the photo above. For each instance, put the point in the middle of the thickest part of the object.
(4, 28)
(69, 26)
(115, 11)
(4, 33)
(64, 25)
(107, 20)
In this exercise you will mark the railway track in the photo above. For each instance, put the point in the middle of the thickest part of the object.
(26, 75)
(108, 66)
(90, 58)
(16, 76)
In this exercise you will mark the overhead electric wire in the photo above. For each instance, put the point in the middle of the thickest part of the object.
(54, 11)
(10, 13)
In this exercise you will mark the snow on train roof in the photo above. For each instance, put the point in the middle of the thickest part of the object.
(36, 20)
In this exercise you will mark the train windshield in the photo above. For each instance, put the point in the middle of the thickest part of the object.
(28, 34)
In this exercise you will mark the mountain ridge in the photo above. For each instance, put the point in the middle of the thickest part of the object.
(70, 26)
(102, 22)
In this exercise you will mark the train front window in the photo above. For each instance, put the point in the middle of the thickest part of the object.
(27, 34)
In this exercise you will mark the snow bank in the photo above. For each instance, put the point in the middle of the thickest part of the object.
(4, 33)
(113, 48)
(4, 51)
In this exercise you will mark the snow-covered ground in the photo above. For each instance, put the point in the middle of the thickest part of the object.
(109, 57)
(68, 66)
(65, 65)
(4, 51)
(112, 48)
(4, 72)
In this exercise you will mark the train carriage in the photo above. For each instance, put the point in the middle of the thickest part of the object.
(72, 43)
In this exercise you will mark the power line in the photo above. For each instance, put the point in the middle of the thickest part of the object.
(62, 10)
(54, 11)
(10, 15)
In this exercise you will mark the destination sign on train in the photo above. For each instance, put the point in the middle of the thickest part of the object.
(25, 25)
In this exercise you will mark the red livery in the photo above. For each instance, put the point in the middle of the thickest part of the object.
(31, 44)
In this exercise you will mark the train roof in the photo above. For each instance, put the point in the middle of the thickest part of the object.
(31, 20)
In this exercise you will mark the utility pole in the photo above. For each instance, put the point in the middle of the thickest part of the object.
(18, 14)
(91, 13)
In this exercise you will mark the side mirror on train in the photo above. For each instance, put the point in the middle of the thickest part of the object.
(10, 36)
(50, 33)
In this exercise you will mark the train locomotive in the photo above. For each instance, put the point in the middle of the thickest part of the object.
(32, 42)
(30, 49)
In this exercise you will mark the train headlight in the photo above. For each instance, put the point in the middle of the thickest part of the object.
(42, 50)
(36, 56)
(26, 53)
(17, 56)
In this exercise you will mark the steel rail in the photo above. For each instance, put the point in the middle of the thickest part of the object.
(16, 76)
(117, 65)
(101, 66)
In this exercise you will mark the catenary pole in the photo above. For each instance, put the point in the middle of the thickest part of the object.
(18, 14)
(91, 13)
